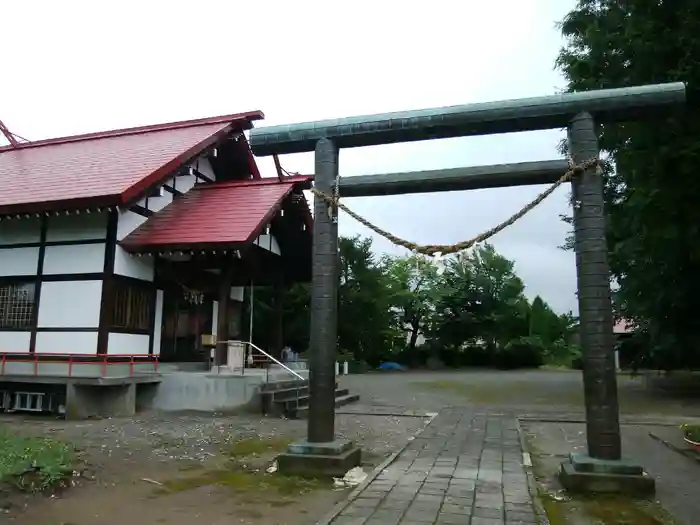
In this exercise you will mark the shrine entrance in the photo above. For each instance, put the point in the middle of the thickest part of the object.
(580, 113)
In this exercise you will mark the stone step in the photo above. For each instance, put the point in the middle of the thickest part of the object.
(276, 386)
(303, 398)
(303, 411)
(291, 394)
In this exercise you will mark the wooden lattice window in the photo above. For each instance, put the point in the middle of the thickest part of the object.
(132, 308)
(16, 305)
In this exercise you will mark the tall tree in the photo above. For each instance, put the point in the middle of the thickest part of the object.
(480, 299)
(412, 284)
(651, 186)
(365, 325)
(546, 324)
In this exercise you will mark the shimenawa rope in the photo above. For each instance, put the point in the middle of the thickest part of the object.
(447, 249)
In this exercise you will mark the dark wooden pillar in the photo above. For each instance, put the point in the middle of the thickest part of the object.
(595, 309)
(278, 317)
(223, 309)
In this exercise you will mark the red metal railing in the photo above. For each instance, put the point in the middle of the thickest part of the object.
(71, 360)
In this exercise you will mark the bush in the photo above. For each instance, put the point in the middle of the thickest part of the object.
(478, 356)
(357, 367)
(562, 354)
(523, 352)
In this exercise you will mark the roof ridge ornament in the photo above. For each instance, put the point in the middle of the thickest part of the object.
(12, 138)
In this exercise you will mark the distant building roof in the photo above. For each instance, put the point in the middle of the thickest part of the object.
(106, 168)
(623, 326)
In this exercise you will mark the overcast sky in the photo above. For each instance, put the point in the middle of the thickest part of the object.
(78, 66)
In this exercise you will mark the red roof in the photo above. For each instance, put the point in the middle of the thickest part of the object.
(223, 214)
(107, 168)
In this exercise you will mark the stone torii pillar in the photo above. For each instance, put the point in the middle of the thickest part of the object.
(323, 453)
(603, 468)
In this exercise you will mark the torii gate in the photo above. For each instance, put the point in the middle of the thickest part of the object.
(579, 113)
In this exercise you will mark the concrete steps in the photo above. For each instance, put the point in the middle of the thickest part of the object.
(291, 398)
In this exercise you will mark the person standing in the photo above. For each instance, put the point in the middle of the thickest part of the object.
(285, 355)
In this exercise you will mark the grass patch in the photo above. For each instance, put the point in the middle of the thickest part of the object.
(604, 509)
(242, 475)
(34, 464)
(246, 481)
(257, 447)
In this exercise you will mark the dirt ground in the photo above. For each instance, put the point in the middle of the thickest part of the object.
(191, 469)
(672, 465)
(177, 469)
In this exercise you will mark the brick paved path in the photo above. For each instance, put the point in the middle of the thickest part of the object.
(464, 469)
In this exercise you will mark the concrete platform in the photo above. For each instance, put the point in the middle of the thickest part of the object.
(584, 474)
(90, 381)
(84, 401)
(320, 459)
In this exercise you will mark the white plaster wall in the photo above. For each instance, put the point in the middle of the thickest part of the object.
(156, 203)
(18, 231)
(66, 342)
(77, 227)
(269, 243)
(158, 325)
(185, 183)
(74, 258)
(70, 304)
(18, 261)
(14, 342)
(203, 166)
(131, 266)
(128, 222)
(125, 264)
(129, 344)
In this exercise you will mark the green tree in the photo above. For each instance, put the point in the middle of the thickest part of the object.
(651, 187)
(412, 282)
(506, 308)
(365, 325)
(549, 326)
(480, 300)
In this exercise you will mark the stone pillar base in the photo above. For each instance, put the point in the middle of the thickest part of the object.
(584, 474)
(319, 459)
(87, 401)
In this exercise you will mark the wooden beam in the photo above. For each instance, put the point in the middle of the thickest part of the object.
(278, 167)
(529, 114)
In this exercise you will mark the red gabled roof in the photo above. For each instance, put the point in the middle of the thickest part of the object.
(219, 214)
(107, 168)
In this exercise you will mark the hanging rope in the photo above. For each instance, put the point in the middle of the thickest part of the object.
(446, 249)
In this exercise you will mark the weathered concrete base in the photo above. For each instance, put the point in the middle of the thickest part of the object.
(584, 474)
(320, 459)
(205, 391)
(86, 401)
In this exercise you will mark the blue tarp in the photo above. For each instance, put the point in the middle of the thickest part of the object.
(391, 366)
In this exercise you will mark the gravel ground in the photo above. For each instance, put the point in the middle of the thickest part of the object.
(191, 436)
(127, 461)
(128, 458)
